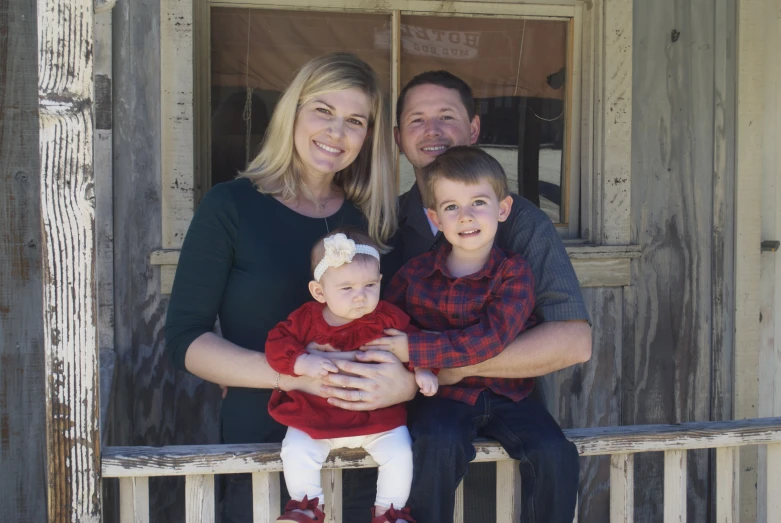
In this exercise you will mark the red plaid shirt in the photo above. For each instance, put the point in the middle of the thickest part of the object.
(474, 317)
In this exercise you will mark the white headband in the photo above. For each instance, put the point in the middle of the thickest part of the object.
(340, 250)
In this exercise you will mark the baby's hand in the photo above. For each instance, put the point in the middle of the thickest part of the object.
(427, 381)
(313, 366)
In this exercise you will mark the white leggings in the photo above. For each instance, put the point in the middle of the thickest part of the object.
(303, 457)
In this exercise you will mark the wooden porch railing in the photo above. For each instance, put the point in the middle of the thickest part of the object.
(134, 466)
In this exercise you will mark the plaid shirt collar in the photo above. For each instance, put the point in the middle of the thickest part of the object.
(495, 260)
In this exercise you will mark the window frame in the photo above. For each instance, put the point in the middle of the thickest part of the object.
(598, 103)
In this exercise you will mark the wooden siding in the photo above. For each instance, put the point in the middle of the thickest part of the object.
(653, 338)
(22, 399)
(588, 396)
(153, 405)
(669, 328)
(67, 183)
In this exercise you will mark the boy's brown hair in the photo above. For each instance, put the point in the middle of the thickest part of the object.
(466, 164)
(360, 238)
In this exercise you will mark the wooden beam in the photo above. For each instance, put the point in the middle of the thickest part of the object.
(70, 344)
(134, 500)
(458, 509)
(595, 266)
(748, 199)
(622, 488)
(265, 497)
(177, 128)
(508, 491)
(616, 122)
(773, 485)
(331, 479)
(264, 457)
(199, 498)
(675, 486)
(727, 488)
(22, 376)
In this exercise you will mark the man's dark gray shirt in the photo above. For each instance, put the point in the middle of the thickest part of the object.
(527, 231)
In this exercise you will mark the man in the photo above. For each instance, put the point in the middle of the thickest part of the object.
(436, 111)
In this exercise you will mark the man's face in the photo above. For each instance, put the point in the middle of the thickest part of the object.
(434, 118)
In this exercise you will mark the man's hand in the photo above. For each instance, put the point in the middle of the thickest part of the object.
(450, 376)
(313, 366)
(396, 342)
(377, 380)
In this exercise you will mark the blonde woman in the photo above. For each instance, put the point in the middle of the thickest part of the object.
(325, 163)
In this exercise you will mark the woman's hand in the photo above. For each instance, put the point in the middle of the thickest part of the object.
(377, 380)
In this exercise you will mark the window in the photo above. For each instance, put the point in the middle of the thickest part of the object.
(555, 102)
(518, 67)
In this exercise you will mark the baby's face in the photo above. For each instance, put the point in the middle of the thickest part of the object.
(352, 290)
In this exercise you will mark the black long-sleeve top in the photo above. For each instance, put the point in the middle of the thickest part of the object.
(245, 259)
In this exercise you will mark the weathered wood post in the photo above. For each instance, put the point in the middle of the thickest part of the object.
(65, 94)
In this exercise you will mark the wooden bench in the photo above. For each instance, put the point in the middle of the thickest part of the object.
(134, 465)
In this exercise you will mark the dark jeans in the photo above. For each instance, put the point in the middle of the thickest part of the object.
(442, 434)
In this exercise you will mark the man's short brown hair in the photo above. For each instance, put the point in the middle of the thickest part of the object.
(465, 164)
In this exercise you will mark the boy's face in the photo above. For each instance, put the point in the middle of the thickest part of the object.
(350, 291)
(468, 215)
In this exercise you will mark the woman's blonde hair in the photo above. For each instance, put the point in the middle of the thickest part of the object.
(369, 182)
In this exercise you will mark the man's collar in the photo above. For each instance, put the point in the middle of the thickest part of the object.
(411, 212)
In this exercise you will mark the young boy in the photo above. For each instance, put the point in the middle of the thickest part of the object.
(471, 298)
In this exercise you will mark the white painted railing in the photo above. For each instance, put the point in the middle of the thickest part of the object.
(134, 466)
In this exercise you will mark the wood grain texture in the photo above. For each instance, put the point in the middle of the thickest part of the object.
(727, 489)
(182, 460)
(723, 235)
(177, 123)
(617, 122)
(65, 88)
(595, 266)
(134, 500)
(675, 486)
(769, 385)
(22, 375)
(773, 485)
(504, 7)
(104, 212)
(199, 499)
(153, 403)
(508, 491)
(622, 488)
(667, 360)
(332, 492)
(748, 200)
(265, 496)
(588, 395)
(458, 511)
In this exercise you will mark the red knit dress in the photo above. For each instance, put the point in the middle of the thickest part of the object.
(312, 414)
